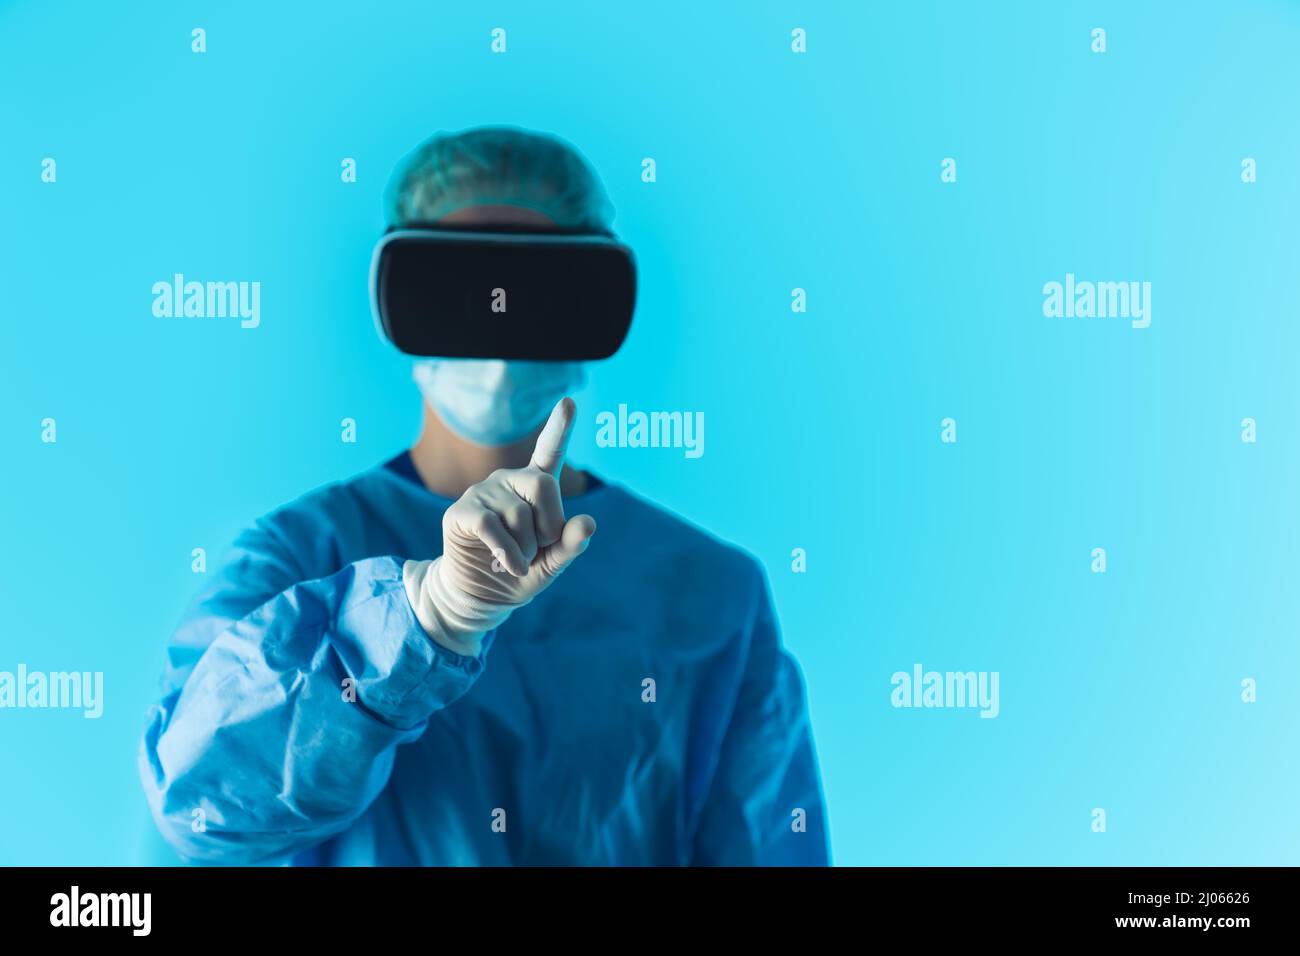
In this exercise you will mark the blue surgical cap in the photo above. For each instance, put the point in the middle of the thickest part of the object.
(498, 165)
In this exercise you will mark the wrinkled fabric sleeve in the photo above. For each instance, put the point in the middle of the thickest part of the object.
(764, 806)
(284, 702)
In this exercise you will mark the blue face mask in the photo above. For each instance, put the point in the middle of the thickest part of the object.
(494, 402)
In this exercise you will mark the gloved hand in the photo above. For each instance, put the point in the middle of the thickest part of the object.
(503, 542)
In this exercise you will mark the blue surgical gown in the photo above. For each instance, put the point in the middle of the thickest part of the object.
(306, 718)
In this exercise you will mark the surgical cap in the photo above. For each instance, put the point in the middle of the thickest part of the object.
(498, 165)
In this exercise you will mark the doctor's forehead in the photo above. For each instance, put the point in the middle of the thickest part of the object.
(497, 215)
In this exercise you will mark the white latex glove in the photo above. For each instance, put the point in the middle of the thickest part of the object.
(503, 542)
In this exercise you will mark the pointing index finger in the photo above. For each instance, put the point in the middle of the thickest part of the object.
(548, 453)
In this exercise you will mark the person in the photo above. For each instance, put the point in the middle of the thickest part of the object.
(429, 664)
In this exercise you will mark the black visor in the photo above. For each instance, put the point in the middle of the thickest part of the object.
(497, 294)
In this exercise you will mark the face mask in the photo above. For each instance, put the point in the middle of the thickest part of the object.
(491, 402)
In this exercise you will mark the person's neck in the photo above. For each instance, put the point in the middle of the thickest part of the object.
(448, 464)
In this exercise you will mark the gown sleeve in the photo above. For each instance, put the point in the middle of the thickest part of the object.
(284, 702)
(764, 806)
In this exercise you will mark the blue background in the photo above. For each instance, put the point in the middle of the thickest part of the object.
(775, 170)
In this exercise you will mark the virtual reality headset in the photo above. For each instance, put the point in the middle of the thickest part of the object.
(502, 293)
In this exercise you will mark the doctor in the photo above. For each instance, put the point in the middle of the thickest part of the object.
(475, 653)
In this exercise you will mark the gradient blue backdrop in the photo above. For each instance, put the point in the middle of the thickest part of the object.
(775, 170)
